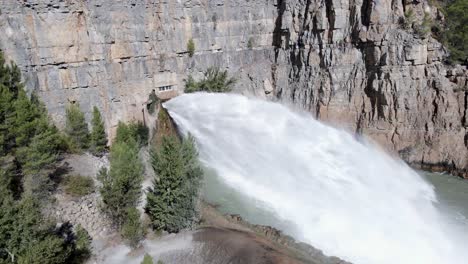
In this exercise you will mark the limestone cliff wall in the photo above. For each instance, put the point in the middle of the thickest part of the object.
(349, 62)
(113, 53)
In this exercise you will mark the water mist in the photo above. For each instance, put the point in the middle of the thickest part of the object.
(340, 195)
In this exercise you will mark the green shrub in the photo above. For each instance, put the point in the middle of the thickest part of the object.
(250, 43)
(152, 102)
(98, 133)
(147, 259)
(82, 245)
(191, 47)
(214, 81)
(171, 202)
(78, 185)
(132, 229)
(135, 131)
(424, 28)
(409, 19)
(76, 126)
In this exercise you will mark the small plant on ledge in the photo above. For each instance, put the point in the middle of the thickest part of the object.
(191, 47)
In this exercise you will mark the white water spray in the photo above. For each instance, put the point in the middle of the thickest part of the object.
(342, 196)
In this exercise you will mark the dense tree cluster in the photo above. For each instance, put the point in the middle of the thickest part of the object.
(79, 136)
(457, 30)
(214, 81)
(171, 202)
(29, 148)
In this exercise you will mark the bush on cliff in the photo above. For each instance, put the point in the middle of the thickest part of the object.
(191, 47)
(147, 260)
(134, 132)
(77, 185)
(214, 81)
(171, 202)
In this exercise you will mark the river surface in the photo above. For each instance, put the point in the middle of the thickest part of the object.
(451, 191)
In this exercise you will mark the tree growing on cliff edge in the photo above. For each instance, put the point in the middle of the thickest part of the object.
(214, 81)
(171, 202)
(98, 133)
(76, 126)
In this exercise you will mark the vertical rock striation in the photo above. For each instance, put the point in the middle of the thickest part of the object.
(349, 62)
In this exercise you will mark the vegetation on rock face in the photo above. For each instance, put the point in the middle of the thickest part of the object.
(98, 133)
(421, 29)
(191, 47)
(78, 185)
(452, 33)
(135, 131)
(456, 33)
(171, 202)
(250, 43)
(152, 102)
(214, 81)
(29, 147)
(76, 127)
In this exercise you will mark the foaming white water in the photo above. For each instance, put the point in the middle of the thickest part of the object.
(342, 196)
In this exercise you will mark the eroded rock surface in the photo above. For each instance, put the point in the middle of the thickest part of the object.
(350, 62)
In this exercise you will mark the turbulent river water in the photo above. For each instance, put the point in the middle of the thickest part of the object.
(317, 183)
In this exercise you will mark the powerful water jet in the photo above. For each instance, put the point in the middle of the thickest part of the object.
(344, 196)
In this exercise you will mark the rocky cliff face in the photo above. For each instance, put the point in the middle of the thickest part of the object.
(349, 62)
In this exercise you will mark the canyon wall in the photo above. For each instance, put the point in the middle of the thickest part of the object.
(349, 62)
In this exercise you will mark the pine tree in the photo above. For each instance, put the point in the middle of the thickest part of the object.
(121, 185)
(171, 202)
(132, 230)
(26, 237)
(98, 133)
(38, 158)
(6, 119)
(76, 126)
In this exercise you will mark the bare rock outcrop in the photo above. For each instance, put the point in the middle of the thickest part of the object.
(349, 62)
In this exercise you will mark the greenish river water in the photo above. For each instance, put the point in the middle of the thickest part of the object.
(452, 195)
